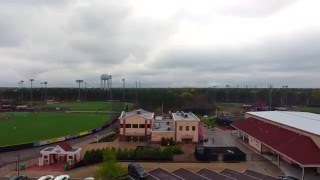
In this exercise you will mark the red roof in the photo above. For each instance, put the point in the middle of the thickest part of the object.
(65, 146)
(298, 147)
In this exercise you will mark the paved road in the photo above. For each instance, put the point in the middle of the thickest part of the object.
(30, 153)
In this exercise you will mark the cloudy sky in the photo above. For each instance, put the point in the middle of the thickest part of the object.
(167, 43)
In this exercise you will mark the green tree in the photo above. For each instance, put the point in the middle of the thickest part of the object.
(109, 169)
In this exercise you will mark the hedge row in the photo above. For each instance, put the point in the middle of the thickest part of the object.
(151, 154)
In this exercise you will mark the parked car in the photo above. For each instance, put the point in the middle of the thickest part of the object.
(88, 178)
(62, 177)
(136, 171)
(18, 178)
(286, 178)
(46, 177)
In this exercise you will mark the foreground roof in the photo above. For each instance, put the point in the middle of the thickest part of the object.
(284, 141)
(308, 122)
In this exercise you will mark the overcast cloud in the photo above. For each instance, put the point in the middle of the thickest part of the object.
(161, 43)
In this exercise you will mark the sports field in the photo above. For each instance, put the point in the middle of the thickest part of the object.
(310, 109)
(89, 106)
(28, 127)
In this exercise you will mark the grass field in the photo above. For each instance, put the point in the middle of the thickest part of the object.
(310, 109)
(89, 106)
(29, 127)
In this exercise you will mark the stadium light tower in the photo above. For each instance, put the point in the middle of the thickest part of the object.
(31, 80)
(79, 81)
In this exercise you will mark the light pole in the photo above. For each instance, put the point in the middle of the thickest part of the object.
(270, 96)
(31, 80)
(123, 85)
(246, 94)
(18, 162)
(79, 81)
(21, 89)
(215, 93)
(45, 91)
(285, 98)
(227, 93)
(85, 91)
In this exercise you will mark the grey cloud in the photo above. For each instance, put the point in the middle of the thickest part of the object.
(253, 8)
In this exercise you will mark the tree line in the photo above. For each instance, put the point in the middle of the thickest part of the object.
(157, 99)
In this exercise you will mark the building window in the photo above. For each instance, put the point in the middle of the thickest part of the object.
(128, 125)
(134, 125)
(180, 128)
(142, 126)
(121, 126)
(148, 126)
(187, 128)
(193, 128)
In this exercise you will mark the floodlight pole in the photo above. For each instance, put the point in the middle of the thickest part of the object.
(21, 89)
(31, 80)
(246, 94)
(227, 93)
(45, 91)
(85, 91)
(270, 96)
(123, 85)
(79, 81)
(285, 98)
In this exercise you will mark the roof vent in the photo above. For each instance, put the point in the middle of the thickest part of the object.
(138, 112)
(185, 115)
(168, 122)
(168, 128)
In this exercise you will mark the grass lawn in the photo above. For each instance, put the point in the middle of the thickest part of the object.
(28, 127)
(310, 109)
(90, 106)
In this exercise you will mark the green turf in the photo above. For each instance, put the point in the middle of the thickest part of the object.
(29, 127)
(89, 106)
(310, 109)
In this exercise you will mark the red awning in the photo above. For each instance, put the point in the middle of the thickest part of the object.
(297, 147)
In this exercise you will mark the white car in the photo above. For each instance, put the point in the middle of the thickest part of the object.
(47, 177)
(62, 177)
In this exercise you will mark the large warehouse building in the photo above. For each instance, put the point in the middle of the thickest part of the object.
(293, 137)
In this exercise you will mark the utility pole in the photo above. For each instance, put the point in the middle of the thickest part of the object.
(31, 80)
